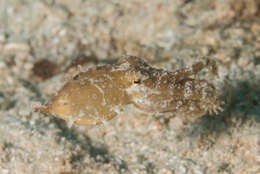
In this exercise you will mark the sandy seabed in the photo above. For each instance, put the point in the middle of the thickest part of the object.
(39, 40)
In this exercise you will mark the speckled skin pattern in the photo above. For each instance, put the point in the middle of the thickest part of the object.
(102, 93)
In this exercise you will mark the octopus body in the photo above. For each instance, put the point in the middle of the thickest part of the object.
(102, 93)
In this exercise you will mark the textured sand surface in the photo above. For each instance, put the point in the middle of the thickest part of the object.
(169, 35)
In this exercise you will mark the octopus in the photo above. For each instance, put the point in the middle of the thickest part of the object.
(102, 93)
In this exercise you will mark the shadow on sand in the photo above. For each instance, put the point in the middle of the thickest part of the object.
(97, 151)
(242, 108)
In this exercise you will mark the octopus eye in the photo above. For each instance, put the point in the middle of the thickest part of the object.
(137, 81)
(76, 77)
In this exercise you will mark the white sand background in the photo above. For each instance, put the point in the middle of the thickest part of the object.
(170, 35)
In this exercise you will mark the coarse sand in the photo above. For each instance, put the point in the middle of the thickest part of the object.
(44, 43)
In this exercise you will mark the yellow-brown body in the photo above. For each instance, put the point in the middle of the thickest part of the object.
(101, 93)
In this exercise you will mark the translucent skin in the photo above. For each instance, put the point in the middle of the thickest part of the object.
(161, 91)
(101, 93)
